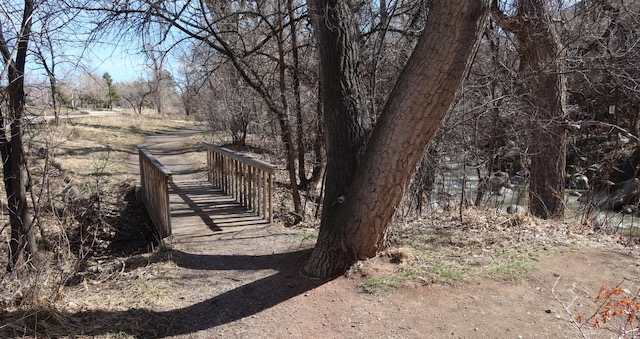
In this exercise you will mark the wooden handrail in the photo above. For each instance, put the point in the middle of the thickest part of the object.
(248, 180)
(154, 181)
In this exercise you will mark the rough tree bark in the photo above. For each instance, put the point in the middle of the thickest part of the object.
(540, 49)
(362, 194)
(23, 241)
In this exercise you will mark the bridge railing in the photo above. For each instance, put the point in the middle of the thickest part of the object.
(154, 182)
(249, 181)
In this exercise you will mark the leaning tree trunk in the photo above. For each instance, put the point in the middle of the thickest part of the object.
(540, 53)
(355, 221)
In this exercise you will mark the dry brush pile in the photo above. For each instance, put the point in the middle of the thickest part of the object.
(84, 206)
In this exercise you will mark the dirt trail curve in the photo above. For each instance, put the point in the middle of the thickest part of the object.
(239, 281)
(231, 264)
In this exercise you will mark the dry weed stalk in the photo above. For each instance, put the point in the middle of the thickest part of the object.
(567, 307)
(623, 311)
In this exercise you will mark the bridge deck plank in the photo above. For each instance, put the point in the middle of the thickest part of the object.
(200, 212)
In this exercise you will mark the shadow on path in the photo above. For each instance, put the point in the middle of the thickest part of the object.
(200, 203)
(195, 203)
(224, 308)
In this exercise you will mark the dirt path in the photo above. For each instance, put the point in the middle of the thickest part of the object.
(244, 283)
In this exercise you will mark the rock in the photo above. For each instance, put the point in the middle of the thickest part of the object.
(498, 180)
(519, 179)
(577, 181)
(504, 191)
(629, 209)
(42, 152)
(627, 195)
(595, 168)
(510, 158)
(623, 139)
(614, 197)
(515, 209)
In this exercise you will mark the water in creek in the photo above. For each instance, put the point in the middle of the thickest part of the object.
(455, 181)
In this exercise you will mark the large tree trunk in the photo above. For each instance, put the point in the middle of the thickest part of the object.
(23, 241)
(358, 211)
(540, 55)
(346, 124)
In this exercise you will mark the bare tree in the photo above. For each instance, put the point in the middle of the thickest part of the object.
(136, 93)
(363, 186)
(22, 245)
(602, 39)
(243, 33)
(540, 53)
(357, 214)
(50, 46)
(91, 90)
(158, 80)
(44, 52)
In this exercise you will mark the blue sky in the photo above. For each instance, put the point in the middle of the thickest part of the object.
(123, 60)
(122, 65)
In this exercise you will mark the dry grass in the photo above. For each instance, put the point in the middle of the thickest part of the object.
(87, 146)
(48, 322)
(484, 241)
(93, 309)
(449, 250)
(93, 151)
(95, 155)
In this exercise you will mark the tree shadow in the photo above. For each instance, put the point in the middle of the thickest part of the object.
(212, 206)
(241, 302)
(157, 151)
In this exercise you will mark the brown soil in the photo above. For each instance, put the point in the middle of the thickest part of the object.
(245, 284)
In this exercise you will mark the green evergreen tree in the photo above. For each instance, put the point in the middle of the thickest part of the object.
(112, 94)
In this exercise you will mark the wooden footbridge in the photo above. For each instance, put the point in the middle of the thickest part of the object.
(237, 194)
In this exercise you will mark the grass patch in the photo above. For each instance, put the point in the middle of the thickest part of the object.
(97, 147)
(481, 244)
(377, 285)
(512, 270)
(449, 274)
(120, 335)
(307, 235)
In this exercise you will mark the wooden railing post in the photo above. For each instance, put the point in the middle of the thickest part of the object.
(247, 180)
(154, 183)
(270, 195)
